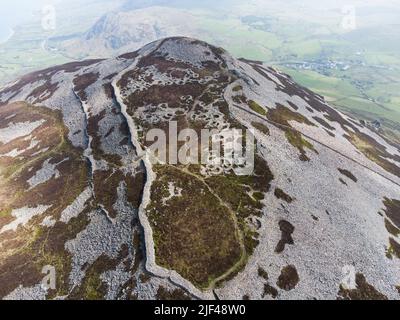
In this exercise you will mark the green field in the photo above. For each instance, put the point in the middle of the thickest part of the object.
(365, 82)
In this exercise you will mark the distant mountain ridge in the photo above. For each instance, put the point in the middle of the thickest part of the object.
(119, 32)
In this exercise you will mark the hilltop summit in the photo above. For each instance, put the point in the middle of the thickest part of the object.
(317, 218)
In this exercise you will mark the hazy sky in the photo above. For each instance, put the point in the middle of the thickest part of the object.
(14, 12)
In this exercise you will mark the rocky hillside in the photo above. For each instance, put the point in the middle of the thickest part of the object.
(319, 217)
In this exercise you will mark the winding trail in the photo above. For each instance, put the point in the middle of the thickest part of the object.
(239, 234)
(144, 157)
